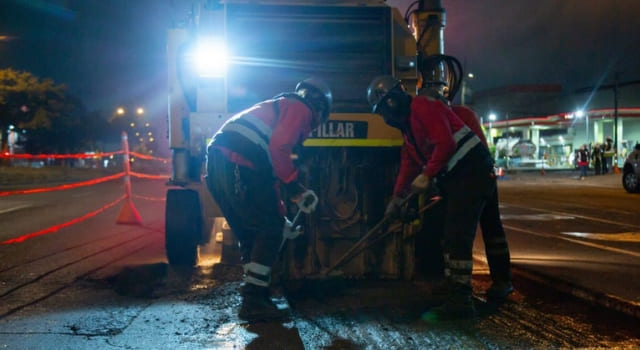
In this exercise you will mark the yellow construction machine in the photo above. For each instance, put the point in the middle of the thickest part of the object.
(227, 55)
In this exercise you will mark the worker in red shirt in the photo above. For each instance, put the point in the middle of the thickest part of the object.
(439, 147)
(248, 161)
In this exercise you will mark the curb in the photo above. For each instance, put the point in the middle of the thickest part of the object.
(596, 298)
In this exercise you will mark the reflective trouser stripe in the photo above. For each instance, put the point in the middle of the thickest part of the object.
(447, 270)
(462, 279)
(251, 135)
(496, 246)
(471, 141)
(257, 274)
(460, 270)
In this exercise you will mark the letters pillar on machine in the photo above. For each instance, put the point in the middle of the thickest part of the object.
(128, 214)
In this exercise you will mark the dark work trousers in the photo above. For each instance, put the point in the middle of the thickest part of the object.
(466, 189)
(495, 240)
(249, 202)
(429, 254)
(428, 246)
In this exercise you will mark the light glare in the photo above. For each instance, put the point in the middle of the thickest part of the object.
(211, 58)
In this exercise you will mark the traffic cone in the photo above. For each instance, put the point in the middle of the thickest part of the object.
(128, 214)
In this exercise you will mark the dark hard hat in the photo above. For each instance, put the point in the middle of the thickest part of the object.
(318, 94)
(379, 89)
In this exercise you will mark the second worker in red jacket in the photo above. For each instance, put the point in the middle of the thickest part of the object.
(438, 146)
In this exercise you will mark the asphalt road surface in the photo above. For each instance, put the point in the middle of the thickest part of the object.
(97, 284)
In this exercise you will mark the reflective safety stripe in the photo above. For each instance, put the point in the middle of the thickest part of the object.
(459, 270)
(497, 251)
(447, 270)
(250, 135)
(257, 274)
(464, 148)
(253, 280)
(461, 264)
(461, 133)
(257, 268)
(496, 240)
(259, 124)
(462, 279)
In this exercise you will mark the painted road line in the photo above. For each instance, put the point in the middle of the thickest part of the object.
(577, 241)
(615, 237)
(535, 217)
(612, 222)
(17, 207)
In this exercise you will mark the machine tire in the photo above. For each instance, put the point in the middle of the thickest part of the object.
(183, 225)
(630, 182)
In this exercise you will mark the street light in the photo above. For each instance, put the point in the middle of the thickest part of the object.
(580, 113)
(465, 88)
(492, 117)
(120, 111)
(140, 111)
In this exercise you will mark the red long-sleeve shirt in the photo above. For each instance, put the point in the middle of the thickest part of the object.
(470, 118)
(288, 128)
(432, 125)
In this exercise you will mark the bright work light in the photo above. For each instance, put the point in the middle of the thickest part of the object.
(210, 58)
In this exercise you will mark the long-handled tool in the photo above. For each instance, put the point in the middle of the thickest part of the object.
(306, 205)
(364, 242)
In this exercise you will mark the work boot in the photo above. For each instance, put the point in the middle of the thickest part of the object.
(499, 290)
(257, 305)
(454, 308)
(439, 290)
(457, 304)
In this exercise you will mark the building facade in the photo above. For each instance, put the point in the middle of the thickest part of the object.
(540, 126)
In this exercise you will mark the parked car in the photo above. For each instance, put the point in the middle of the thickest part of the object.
(631, 171)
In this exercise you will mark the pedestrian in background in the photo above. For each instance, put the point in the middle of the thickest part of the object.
(608, 153)
(596, 156)
(582, 159)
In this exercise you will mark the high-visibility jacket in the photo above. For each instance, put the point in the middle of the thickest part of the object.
(470, 118)
(263, 137)
(436, 140)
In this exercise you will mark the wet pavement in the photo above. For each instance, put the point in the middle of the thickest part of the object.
(593, 284)
(160, 307)
(156, 306)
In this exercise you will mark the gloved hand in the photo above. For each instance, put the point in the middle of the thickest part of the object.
(289, 231)
(307, 201)
(410, 212)
(393, 208)
(420, 183)
(294, 190)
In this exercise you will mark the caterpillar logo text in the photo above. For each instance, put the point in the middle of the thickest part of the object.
(341, 130)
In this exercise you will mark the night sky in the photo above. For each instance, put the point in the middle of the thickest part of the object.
(112, 52)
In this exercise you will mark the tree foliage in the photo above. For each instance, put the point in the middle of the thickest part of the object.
(49, 118)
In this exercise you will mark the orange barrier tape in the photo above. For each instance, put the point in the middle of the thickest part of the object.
(63, 225)
(144, 156)
(58, 156)
(63, 187)
(146, 176)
